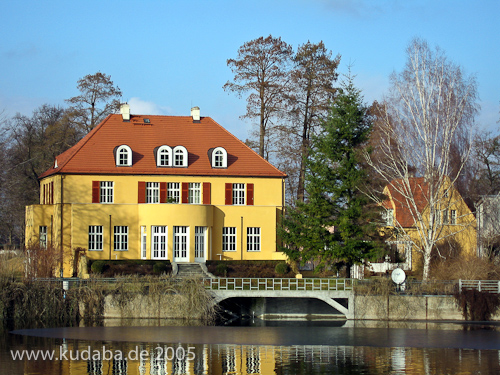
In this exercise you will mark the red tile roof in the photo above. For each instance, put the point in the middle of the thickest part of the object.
(418, 188)
(94, 154)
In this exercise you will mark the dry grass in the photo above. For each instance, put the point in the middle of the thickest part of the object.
(465, 268)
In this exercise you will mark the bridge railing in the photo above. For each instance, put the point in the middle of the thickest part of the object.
(490, 286)
(315, 284)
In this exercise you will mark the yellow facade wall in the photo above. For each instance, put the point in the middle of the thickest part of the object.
(78, 213)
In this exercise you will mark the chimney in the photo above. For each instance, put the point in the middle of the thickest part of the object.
(195, 113)
(125, 111)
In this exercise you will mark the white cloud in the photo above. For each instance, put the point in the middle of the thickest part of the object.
(142, 107)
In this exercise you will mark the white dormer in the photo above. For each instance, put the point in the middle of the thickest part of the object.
(123, 156)
(164, 156)
(180, 156)
(219, 158)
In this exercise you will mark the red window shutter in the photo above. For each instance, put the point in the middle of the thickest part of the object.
(229, 194)
(52, 192)
(96, 187)
(185, 192)
(141, 192)
(44, 194)
(206, 193)
(163, 192)
(250, 194)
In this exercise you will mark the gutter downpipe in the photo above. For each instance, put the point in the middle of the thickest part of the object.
(62, 227)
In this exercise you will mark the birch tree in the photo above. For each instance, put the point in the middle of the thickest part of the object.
(429, 112)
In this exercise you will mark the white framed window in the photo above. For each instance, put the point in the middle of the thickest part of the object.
(120, 238)
(173, 192)
(445, 217)
(164, 157)
(106, 192)
(181, 243)
(43, 237)
(152, 192)
(144, 239)
(199, 243)
(95, 237)
(238, 194)
(180, 156)
(453, 217)
(219, 158)
(253, 239)
(388, 217)
(229, 239)
(159, 242)
(194, 193)
(124, 156)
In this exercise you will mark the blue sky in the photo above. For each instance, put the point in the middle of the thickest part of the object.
(167, 56)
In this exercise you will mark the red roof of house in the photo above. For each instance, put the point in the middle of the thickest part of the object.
(418, 188)
(94, 154)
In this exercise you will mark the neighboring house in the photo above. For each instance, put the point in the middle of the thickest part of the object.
(454, 218)
(488, 225)
(180, 188)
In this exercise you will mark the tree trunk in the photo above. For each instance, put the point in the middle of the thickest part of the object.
(427, 264)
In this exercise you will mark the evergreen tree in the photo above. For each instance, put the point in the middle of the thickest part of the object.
(335, 225)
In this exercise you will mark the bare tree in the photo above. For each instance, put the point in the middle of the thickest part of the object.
(95, 89)
(429, 112)
(311, 94)
(261, 68)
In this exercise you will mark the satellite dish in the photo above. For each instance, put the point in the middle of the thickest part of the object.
(398, 276)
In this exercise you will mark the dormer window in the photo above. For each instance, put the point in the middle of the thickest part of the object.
(123, 156)
(180, 156)
(219, 158)
(164, 157)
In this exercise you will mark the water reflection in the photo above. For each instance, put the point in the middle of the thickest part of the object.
(166, 357)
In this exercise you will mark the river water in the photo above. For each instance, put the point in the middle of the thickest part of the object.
(334, 347)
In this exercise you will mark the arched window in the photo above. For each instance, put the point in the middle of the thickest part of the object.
(164, 157)
(219, 158)
(180, 156)
(123, 156)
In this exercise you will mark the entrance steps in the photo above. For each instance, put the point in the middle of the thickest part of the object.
(190, 270)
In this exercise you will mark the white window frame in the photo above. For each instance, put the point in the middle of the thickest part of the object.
(159, 242)
(106, 191)
(200, 243)
(180, 156)
(194, 193)
(144, 239)
(239, 195)
(42, 230)
(120, 238)
(173, 192)
(123, 156)
(389, 217)
(152, 192)
(253, 239)
(229, 239)
(164, 151)
(181, 242)
(445, 218)
(95, 238)
(219, 158)
(453, 217)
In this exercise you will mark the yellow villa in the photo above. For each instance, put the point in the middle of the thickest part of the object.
(454, 221)
(178, 188)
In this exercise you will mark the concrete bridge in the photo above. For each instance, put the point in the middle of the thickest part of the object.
(337, 293)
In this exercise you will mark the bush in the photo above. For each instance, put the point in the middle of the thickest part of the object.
(282, 268)
(221, 269)
(98, 266)
(160, 267)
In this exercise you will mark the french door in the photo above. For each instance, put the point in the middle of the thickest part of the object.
(200, 243)
(159, 235)
(181, 244)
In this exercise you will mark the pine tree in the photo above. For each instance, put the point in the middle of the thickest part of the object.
(335, 225)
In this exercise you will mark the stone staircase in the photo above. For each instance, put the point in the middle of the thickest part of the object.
(190, 270)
